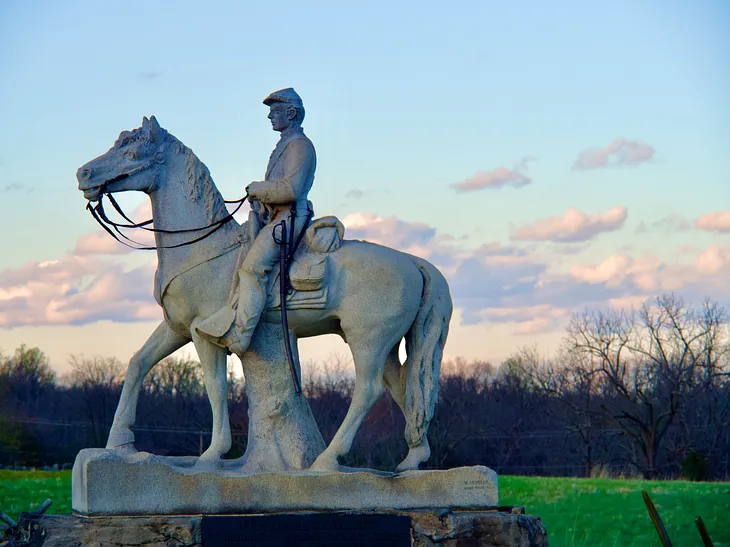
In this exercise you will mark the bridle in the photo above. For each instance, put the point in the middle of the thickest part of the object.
(97, 211)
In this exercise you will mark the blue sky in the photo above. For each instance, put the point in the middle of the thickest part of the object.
(403, 101)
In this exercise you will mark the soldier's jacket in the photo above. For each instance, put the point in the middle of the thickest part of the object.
(289, 177)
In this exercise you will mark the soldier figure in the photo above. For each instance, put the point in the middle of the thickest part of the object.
(289, 178)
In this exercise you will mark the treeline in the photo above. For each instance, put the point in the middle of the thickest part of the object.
(643, 393)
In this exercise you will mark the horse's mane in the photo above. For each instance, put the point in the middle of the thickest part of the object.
(200, 184)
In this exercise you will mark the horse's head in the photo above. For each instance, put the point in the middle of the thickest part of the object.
(131, 164)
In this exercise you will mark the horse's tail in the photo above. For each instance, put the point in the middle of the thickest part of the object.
(424, 348)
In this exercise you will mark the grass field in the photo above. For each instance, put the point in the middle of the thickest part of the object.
(576, 512)
(611, 512)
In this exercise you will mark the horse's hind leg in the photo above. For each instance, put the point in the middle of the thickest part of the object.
(159, 345)
(215, 374)
(369, 362)
(394, 379)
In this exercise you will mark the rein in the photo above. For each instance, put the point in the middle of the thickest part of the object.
(97, 211)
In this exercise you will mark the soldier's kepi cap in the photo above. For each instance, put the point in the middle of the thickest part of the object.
(288, 96)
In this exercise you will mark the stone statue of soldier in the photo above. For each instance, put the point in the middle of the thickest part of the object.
(282, 196)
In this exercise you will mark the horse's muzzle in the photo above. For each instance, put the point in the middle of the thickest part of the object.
(92, 194)
(83, 175)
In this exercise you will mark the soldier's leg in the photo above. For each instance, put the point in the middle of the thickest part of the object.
(253, 280)
(227, 326)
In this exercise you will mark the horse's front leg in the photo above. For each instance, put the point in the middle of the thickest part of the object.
(159, 345)
(215, 374)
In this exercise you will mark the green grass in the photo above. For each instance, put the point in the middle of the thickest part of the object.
(576, 512)
(26, 490)
(611, 512)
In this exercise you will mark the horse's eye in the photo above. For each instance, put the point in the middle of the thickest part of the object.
(131, 155)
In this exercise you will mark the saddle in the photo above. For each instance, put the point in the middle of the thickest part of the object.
(309, 267)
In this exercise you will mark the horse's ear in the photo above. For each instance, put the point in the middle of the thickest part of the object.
(145, 123)
(154, 127)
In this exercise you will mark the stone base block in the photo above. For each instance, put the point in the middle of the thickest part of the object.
(106, 482)
(428, 528)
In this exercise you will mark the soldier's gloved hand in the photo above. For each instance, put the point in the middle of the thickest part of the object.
(254, 190)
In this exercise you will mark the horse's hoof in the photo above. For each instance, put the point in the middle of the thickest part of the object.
(124, 450)
(120, 438)
(209, 463)
(325, 465)
(416, 456)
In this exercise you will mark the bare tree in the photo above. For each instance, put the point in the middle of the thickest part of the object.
(95, 371)
(175, 376)
(98, 383)
(574, 399)
(651, 363)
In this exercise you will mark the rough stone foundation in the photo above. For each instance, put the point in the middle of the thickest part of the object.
(506, 527)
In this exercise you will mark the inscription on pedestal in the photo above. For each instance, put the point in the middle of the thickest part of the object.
(307, 531)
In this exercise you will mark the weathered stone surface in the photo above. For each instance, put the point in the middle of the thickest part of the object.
(475, 528)
(73, 531)
(106, 482)
(428, 528)
(282, 433)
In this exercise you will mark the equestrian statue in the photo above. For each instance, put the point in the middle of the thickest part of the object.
(216, 280)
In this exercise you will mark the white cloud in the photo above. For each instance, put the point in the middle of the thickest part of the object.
(572, 226)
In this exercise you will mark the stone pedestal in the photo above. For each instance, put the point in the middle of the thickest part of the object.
(105, 482)
(428, 528)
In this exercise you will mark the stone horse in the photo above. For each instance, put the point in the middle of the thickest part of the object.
(376, 297)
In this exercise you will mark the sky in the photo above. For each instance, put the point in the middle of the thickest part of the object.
(548, 157)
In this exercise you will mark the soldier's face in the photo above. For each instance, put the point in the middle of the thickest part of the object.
(278, 114)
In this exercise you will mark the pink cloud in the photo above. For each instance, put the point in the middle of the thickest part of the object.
(411, 237)
(572, 226)
(650, 276)
(713, 260)
(499, 177)
(80, 287)
(641, 272)
(620, 152)
(492, 283)
(75, 290)
(719, 221)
